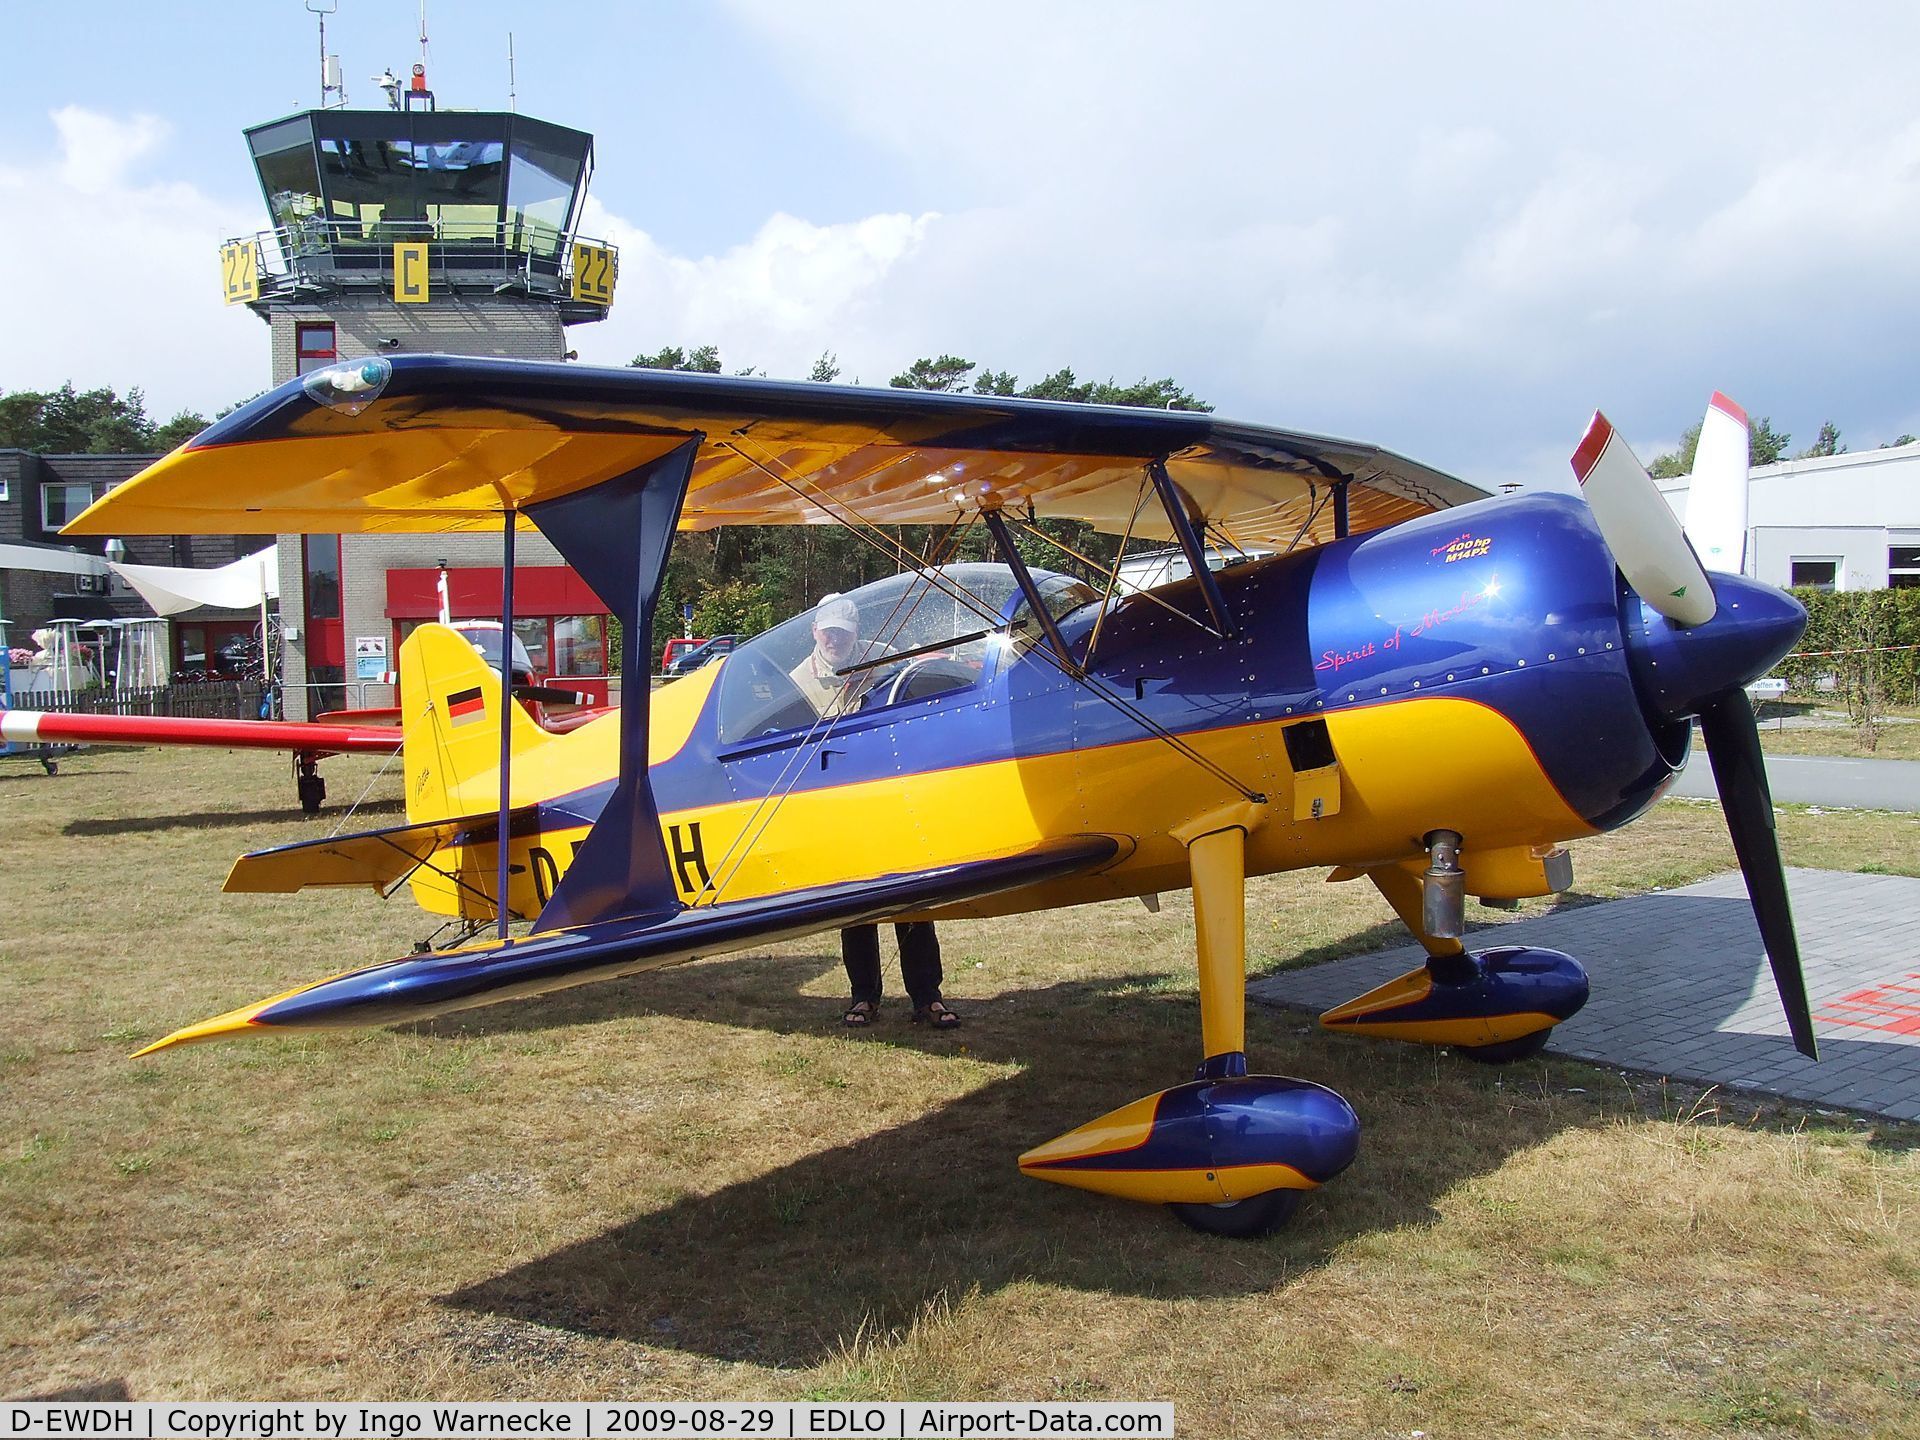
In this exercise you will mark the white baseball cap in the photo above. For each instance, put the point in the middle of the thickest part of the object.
(836, 612)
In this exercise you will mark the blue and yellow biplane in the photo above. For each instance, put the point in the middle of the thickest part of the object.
(1425, 688)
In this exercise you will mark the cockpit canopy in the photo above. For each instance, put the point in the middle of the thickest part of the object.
(920, 635)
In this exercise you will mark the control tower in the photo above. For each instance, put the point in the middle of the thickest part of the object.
(416, 229)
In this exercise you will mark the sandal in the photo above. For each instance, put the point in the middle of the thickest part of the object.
(937, 1015)
(860, 1014)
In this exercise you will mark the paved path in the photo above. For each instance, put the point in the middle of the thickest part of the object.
(1681, 987)
(1818, 780)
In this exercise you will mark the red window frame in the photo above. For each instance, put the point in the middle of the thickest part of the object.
(211, 635)
(315, 345)
(405, 627)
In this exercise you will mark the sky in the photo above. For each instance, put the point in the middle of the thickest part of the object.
(1451, 230)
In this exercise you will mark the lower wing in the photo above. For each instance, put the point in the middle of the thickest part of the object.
(423, 986)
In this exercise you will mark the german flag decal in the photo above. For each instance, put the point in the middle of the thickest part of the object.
(466, 706)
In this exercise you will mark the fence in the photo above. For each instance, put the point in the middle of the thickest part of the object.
(324, 696)
(205, 700)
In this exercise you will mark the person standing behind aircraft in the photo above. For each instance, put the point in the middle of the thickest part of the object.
(919, 971)
(836, 645)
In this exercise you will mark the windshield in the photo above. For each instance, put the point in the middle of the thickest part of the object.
(929, 636)
(486, 639)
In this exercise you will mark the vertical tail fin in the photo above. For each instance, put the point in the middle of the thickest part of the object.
(450, 718)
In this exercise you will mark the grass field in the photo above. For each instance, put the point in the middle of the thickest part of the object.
(694, 1183)
(1895, 737)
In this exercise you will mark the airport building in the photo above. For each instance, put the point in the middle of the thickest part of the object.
(1836, 522)
(45, 576)
(404, 229)
(413, 229)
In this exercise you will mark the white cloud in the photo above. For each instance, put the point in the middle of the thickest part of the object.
(1821, 210)
(1455, 231)
(115, 275)
(776, 301)
(95, 150)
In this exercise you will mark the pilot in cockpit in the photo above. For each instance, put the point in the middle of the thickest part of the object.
(836, 645)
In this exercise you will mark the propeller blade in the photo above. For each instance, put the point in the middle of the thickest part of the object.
(1733, 745)
(550, 695)
(1717, 491)
(1647, 542)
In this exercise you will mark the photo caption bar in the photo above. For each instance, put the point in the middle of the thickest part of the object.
(580, 1420)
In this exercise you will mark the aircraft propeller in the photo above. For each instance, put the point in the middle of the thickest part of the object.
(1718, 638)
(1647, 542)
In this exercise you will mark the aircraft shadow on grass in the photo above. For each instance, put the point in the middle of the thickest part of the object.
(27, 769)
(796, 1265)
(214, 819)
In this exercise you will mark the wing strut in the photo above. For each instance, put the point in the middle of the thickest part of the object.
(996, 523)
(616, 534)
(506, 709)
(1175, 505)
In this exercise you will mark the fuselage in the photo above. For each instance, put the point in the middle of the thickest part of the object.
(1468, 671)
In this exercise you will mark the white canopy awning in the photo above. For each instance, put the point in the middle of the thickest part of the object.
(239, 586)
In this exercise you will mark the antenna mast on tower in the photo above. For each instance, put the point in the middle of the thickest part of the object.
(331, 81)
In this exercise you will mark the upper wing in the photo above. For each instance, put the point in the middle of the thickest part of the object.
(417, 988)
(437, 442)
(38, 727)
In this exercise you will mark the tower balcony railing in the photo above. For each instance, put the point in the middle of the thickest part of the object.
(313, 258)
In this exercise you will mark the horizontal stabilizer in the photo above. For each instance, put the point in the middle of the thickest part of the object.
(377, 858)
(428, 985)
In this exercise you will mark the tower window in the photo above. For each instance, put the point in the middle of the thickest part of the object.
(313, 347)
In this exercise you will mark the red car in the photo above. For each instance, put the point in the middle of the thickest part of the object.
(676, 647)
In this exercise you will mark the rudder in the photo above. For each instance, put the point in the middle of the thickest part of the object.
(450, 723)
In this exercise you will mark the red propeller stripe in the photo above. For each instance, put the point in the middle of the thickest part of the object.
(1591, 444)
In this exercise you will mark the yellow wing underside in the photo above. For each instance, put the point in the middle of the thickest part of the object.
(415, 463)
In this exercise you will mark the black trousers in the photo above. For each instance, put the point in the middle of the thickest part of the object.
(919, 961)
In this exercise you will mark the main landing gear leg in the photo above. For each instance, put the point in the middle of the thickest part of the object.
(308, 782)
(1494, 1006)
(1227, 1152)
(1219, 863)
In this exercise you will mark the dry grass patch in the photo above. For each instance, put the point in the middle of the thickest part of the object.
(1896, 736)
(694, 1183)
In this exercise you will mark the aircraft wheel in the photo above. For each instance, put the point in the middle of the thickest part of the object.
(1241, 1219)
(313, 791)
(1508, 1051)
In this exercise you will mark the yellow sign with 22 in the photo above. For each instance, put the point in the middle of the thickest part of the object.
(240, 271)
(594, 273)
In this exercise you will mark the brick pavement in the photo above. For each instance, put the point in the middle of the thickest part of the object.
(1681, 987)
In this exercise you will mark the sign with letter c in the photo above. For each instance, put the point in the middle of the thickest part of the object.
(410, 284)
